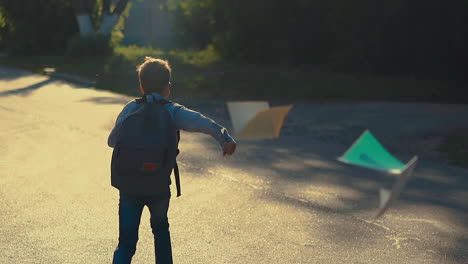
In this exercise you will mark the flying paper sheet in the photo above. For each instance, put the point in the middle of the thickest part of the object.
(384, 195)
(242, 112)
(255, 120)
(367, 152)
(398, 187)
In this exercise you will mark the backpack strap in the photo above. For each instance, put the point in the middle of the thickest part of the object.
(141, 100)
(176, 169)
(177, 179)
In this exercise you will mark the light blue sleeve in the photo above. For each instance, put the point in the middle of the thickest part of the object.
(193, 121)
(129, 108)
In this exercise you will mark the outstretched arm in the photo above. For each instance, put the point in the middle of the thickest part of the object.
(193, 121)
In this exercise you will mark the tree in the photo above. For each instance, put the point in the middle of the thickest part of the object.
(35, 27)
(108, 21)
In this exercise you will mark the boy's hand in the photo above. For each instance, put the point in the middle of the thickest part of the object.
(229, 148)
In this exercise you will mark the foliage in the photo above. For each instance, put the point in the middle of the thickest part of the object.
(117, 32)
(194, 21)
(95, 45)
(3, 29)
(192, 58)
(400, 36)
(420, 37)
(36, 27)
(98, 45)
(193, 79)
(31, 26)
(201, 58)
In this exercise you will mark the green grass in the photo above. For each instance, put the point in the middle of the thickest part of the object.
(202, 74)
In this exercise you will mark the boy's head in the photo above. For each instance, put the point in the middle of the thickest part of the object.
(155, 76)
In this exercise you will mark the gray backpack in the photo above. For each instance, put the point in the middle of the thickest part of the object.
(145, 151)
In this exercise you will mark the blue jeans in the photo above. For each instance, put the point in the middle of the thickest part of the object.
(130, 209)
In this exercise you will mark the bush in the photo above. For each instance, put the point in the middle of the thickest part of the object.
(194, 21)
(32, 26)
(398, 36)
(3, 24)
(96, 45)
(419, 37)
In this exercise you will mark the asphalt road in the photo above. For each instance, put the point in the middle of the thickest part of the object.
(274, 201)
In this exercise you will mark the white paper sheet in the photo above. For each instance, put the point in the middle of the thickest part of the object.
(242, 112)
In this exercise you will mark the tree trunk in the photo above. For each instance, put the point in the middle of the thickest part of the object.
(83, 18)
(110, 20)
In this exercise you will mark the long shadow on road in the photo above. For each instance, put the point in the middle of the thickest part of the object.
(28, 89)
(10, 74)
(107, 100)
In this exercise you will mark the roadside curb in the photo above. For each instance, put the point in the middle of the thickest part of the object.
(68, 77)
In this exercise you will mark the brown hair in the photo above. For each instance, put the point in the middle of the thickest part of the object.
(154, 74)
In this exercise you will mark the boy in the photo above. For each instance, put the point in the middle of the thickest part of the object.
(154, 75)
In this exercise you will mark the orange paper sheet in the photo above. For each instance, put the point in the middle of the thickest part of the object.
(266, 124)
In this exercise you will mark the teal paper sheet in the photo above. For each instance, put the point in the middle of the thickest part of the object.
(368, 152)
